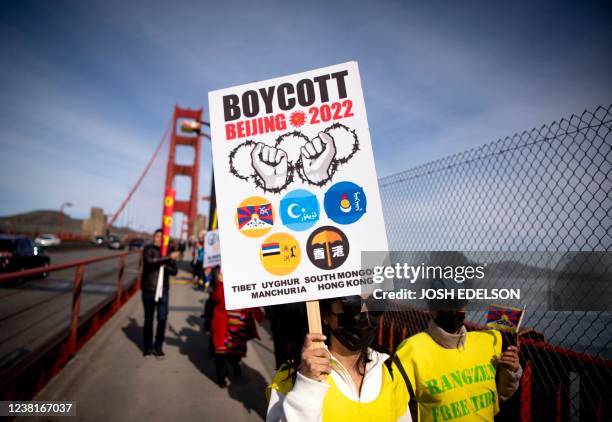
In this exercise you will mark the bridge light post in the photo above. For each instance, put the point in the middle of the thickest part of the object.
(194, 126)
(60, 218)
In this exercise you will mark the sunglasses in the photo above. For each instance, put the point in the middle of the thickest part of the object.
(354, 308)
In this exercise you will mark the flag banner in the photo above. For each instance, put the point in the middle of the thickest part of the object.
(504, 318)
(166, 227)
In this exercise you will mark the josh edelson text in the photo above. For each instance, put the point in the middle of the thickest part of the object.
(458, 274)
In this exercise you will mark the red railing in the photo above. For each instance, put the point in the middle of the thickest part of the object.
(25, 379)
(549, 372)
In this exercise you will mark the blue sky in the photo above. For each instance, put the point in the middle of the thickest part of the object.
(86, 88)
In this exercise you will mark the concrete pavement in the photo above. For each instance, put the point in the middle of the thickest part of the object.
(110, 380)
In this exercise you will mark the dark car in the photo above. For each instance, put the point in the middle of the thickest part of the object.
(136, 244)
(115, 242)
(21, 253)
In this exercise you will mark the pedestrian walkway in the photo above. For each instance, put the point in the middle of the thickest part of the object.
(111, 381)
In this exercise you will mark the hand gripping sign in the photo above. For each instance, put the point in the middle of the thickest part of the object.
(296, 186)
(166, 226)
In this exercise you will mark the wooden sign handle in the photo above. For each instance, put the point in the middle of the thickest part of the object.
(314, 320)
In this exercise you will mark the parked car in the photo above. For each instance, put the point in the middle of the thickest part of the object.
(21, 253)
(47, 240)
(136, 244)
(98, 240)
(115, 242)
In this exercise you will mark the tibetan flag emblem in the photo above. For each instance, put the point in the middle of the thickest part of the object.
(254, 216)
(504, 318)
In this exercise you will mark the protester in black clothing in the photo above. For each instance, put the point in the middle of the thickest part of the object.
(152, 262)
(181, 248)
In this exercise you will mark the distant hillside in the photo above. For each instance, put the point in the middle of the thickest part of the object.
(46, 221)
(42, 221)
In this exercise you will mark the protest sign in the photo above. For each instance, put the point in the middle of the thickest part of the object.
(212, 249)
(296, 187)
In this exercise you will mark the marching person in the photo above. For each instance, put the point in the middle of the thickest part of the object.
(197, 263)
(346, 380)
(152, 262)
(454, 374)
(230, 331)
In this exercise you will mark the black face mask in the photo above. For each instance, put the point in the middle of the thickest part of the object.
(450, 321)
(356, 329)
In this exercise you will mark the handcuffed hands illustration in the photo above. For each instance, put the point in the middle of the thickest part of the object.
(271, 166)
(314, 160)
(317, 157)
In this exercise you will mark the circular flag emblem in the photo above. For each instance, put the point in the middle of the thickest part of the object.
(327, 247)
(299, 210)
(345, 202)
(255, 216)
(280, 253)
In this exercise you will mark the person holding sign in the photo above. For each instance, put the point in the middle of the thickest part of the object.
(454, 374)
(343, 379)
(152, 262)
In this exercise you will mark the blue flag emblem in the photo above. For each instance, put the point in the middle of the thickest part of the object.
(345, 202)
(299, 210)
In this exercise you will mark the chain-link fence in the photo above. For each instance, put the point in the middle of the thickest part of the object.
(548, 189)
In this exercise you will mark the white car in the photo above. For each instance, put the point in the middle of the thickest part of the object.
(47, 240)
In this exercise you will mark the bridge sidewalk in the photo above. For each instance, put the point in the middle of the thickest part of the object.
(110, 380)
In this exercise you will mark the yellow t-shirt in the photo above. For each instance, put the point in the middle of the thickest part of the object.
(453, 384)
(390, 404)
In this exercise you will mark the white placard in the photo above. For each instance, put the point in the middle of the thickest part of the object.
(297, 191)
(212, 249)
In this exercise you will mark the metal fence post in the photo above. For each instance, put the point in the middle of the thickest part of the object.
(76, 305)
(120, 282)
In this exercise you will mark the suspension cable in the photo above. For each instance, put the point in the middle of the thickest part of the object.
(142, 176)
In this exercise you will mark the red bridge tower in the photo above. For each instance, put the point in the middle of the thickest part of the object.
(188, 207)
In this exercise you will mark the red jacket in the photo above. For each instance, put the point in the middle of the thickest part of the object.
(219, 327)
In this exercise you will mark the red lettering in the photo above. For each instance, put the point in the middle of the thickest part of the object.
(349, 105)
(315, 115)
(230, 131)
(269, 123)
(336, 107)
(325, 113)
(257, 126)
